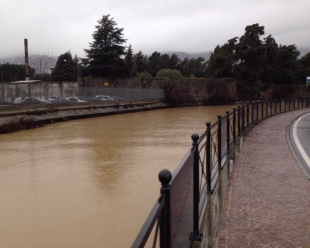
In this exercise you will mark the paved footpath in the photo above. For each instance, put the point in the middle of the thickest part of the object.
(267, 202)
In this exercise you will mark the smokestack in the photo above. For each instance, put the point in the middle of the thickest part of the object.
(26, 60)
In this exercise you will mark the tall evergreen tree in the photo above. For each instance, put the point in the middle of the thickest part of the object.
(287, 64)
(165, 61)
(129, 61)
(154, 63)
(65, 68)
(174, 62)
(304, 68)
(106, 51)
(141, 61)
(185, 67)
(250, 53)
(270, 74)
(222, 60)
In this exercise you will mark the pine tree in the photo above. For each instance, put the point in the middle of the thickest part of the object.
(106, 51)
(129, 61)
(141, 61)
(65, 69)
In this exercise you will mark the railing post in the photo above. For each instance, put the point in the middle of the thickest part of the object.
(234, 125)
(208, 154)
(248, 115)
(219, 141)
(195, 138)
(227, 131)
(252, 112)
(239, 133)
(262, 110)
(275, 106)
(256, 105)
(243, 117)
(165, 225)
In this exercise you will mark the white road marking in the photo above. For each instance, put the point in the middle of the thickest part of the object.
(299, 146)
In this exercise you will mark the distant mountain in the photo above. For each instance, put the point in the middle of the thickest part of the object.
(13, 60)
(33, 59)
(183, 55)
(303, 51)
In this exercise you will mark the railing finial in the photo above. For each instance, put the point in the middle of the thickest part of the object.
(164, 177)
(195, 138)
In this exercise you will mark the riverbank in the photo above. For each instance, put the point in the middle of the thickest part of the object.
(15, 121)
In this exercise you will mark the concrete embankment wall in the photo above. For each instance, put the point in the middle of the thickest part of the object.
(60, 112)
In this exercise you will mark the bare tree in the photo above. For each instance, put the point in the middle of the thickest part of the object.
(41, 63)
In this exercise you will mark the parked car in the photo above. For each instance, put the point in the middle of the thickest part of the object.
(116, 98)
(91, 99)
(9, 100)
(104, 98)
(74, 99)
(17, 100)
(2, 102)
(58, 99)
(34, 100)
(52, 98)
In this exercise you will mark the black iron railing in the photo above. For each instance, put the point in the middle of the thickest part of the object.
(177, 217)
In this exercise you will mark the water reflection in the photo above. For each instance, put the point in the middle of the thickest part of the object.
(91, 182)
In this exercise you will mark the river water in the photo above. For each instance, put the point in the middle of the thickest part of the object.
(91, 182)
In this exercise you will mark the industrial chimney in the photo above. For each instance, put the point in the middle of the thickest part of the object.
(26, 60)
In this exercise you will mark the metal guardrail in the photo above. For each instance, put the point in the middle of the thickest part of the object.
(179, 212)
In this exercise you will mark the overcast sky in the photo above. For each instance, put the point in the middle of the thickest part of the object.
(189, 26)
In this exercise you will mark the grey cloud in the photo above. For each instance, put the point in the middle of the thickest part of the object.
(188, 26)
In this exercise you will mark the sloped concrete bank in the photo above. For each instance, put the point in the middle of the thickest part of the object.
(29, 120)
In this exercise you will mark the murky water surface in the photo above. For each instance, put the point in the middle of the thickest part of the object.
(90, 182)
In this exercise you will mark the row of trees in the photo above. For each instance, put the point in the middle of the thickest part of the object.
(257, 63)
(13, 72)
(249, 59)
(254, 62)
(108, 57)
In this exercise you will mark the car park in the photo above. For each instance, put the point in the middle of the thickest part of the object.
(17, 100)
(91, 99)
(116, 98)
(104, 98)
(58, 100)
(52, 98)
(9, 100)
(74, 99)
(2, 102)
(34, 100)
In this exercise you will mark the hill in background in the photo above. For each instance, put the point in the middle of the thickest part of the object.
(34, 58)
(183, 55)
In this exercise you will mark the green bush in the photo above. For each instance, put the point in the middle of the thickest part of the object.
(169, 73)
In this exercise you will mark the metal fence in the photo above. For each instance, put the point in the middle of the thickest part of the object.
(179, 215)
(69, 89)
(123, 93)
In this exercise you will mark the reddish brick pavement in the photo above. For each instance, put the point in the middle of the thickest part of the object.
(267, 202)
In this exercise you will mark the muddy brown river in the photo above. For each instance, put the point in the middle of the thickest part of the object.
(90, 182)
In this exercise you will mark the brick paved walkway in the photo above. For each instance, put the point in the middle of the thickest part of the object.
(267, 202)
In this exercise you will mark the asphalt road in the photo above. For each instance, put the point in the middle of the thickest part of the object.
(300, 139)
